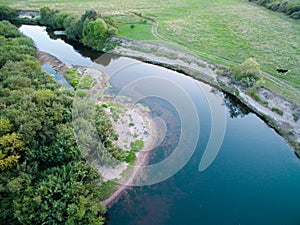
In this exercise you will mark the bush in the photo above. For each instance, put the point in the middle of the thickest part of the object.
(137, 145)
(131, 157)
(8, 30)
(95, 33)
(278, 111)
(7, 13)
(81, 93)
(249, 68)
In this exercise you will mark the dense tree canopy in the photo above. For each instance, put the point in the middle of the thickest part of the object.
(7, 13)
(91, 29)
(94, 33)
(44, 179)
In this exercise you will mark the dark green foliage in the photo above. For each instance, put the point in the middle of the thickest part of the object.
(7, 13)
(8, 30)
(48, 16)
(289, 7)
(43, 178)
(54, 19)
(58, 195)
(94, 33)
(62, 195)
(59, 20)
(131, 157)
(107, 134)
(278, 111)
(90, 29)
(89, 15)
(73, 27)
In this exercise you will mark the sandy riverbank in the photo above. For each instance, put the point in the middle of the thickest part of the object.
(48, 59)
(134, 123)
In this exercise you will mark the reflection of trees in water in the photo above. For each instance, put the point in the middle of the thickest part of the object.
(106, 58)
(235, 107)
(83, 50)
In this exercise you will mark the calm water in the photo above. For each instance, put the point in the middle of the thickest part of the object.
(255, 178)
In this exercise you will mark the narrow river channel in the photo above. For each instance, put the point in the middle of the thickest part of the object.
(254, 179)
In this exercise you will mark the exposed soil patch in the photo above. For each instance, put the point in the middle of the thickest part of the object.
(48, 59)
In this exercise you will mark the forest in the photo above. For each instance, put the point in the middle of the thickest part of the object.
(43, 176)
(90, 29)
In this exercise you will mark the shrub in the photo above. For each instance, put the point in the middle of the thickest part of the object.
(257, 98)
(81, 93)
(278, 111)
(249, 68)
(95, 33)
(7, 13)
(137, 145)
(130, 158)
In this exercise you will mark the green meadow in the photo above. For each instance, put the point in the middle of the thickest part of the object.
(223, 32)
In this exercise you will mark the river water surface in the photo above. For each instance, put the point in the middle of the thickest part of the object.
(254, 180)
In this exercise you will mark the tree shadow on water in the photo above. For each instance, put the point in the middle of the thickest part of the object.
(235, 108)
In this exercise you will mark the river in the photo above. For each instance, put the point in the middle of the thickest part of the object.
(254, 179)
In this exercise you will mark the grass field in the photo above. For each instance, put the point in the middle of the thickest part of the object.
(220, 31)
(140, 32)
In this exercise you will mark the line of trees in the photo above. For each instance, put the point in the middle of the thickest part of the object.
(289, 7)
(43, 179)
(90, 28)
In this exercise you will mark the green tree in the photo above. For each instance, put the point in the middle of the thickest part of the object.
(94, 34)
(89, 14)
(73, 27)
(8, 30)
(7, 13)
(63, 195)
(10, 150)
(47, 17)
(43, 178)
(5, 126)
(249, 68)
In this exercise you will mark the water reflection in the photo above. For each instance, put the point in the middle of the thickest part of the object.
(78, 47)
(235, 108)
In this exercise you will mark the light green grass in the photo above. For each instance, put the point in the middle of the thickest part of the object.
(221, 31)
(137, 145)
(140, 32)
